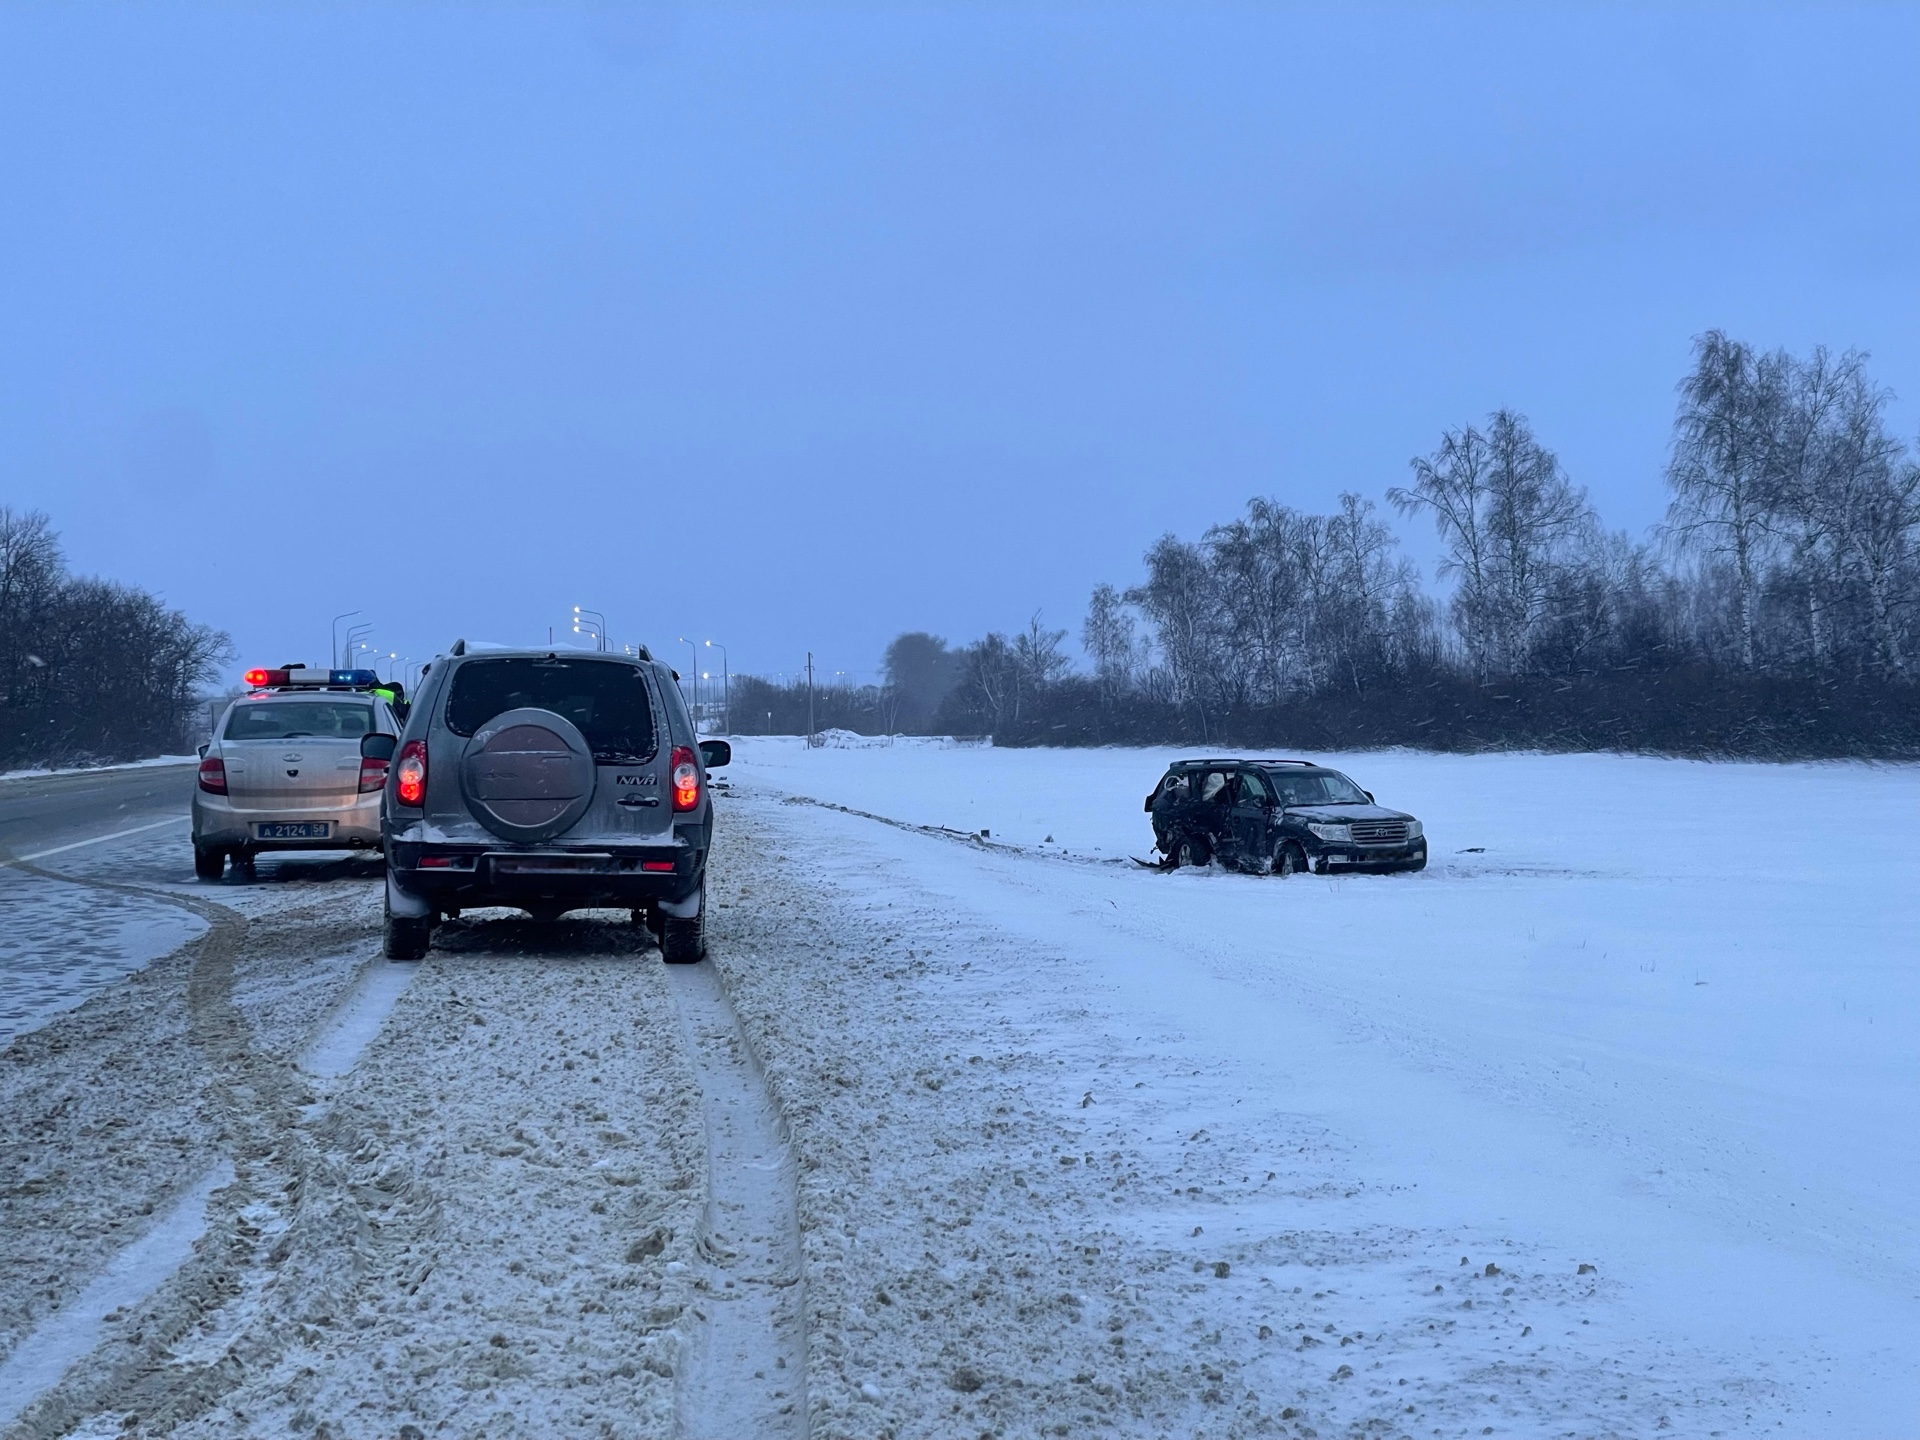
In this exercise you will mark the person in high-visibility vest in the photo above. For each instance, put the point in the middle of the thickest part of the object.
(395, 694)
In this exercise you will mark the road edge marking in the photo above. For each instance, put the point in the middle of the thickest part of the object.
(102, 839)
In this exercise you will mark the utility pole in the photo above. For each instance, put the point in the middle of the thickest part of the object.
(809, 699)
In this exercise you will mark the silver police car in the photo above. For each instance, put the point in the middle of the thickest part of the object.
(284, 770)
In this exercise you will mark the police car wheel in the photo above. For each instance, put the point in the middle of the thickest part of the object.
(209, 861)
(1191, 851)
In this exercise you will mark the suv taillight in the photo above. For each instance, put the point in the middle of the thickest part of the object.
(373, 774)
(410, 773)
(686, 779)
(213, 775)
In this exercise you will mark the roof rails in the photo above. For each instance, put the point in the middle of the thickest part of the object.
(459, 647)
(1246, 760)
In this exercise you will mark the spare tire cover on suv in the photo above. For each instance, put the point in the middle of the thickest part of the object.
(528, 775)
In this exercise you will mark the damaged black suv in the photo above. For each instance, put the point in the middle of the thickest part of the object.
(1278, 817)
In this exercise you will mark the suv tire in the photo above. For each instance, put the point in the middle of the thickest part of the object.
(405, 938)
(1191, 850)
(209, 861)
(1288, 860)
(684, 942)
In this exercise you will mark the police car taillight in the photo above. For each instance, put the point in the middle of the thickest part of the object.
(410, 774)
(213, 775)
(686, 779)
(373, 774)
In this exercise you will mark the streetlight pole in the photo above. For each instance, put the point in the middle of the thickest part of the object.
(354, 634)
(333, 655)
(809, 699)
(726, 690)
(596, 624)
(694, 676)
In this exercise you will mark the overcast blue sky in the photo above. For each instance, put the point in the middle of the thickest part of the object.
(800, 327)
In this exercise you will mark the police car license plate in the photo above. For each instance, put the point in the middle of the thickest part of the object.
(298, 830)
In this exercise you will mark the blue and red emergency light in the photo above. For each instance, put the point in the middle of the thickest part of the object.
(308, 675)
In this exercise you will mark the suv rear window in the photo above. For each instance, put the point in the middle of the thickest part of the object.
(299, 720)
(607, 700)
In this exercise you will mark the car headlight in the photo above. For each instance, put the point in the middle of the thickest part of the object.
(1334, 834)
(1414, 832)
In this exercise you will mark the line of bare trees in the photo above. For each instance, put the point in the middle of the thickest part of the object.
(89, 669)
(1775, 611)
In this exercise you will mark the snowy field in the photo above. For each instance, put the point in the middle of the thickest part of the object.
(1655, 1016)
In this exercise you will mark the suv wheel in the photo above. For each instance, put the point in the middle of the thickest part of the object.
(1191, 850)
(405, 938)
(209, 861)
(1288, 860)
(684, 942)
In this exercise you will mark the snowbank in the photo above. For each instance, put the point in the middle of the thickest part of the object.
(43, 771)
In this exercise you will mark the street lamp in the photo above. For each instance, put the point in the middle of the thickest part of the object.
(726, 690)
(695, 674)
(591, 622)
(333, 655)
(355, 633)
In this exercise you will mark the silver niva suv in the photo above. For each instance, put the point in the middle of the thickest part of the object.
(547, 781)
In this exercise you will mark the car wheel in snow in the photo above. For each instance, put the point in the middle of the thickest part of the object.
(1288, 860)
(1191, 850)
(209, 861)
(684, 942)
(405, 938)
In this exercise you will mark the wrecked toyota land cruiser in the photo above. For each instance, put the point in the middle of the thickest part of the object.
(1278, 817)
(547, 781)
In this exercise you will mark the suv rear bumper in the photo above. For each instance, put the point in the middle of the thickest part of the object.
(446, 877)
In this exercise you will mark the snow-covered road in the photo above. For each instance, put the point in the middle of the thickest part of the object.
(1604, 1125)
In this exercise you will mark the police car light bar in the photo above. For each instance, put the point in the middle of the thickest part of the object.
(308, 675)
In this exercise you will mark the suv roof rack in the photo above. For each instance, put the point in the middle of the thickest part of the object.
(459, 647)
(1246, 760)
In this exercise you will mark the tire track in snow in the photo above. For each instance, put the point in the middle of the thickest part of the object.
(179, 1264)
(745, 1377)
(271, 1191)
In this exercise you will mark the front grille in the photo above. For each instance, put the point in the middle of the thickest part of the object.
(1379, 832)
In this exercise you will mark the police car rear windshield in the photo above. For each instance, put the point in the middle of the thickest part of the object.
(608, 701)
(300, 720)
